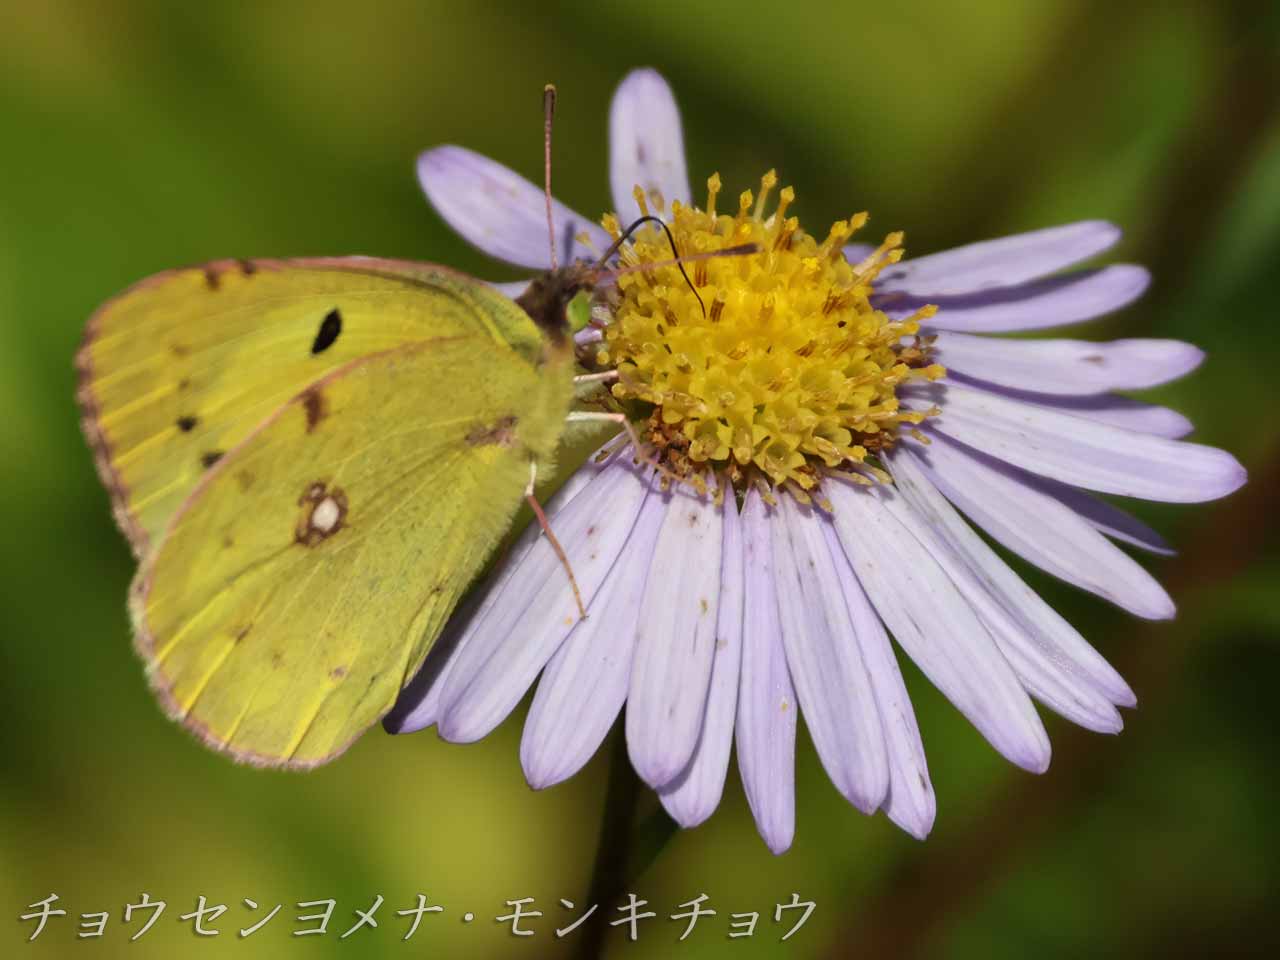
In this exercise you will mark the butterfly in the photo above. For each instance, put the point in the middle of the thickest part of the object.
(312, 459)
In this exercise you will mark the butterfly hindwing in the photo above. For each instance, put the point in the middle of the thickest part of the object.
(304, 579)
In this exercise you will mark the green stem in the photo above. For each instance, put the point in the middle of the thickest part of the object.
(626, 847)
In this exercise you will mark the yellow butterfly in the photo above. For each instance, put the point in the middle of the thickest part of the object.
(312, 460)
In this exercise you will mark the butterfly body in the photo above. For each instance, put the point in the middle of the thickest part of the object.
(312, 460)
(549, 295)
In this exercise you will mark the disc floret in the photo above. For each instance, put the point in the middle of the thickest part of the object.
(779, 366)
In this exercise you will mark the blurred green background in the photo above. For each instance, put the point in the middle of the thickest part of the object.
(143, 135)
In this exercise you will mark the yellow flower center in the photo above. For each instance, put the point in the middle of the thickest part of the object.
(783, 367)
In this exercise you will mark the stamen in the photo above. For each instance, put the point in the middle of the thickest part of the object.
(717, 305)
(785, 199)
(767, 183)
(836, 237)
(766, 309)
(713, 190)
(638, 192)
(789, 228)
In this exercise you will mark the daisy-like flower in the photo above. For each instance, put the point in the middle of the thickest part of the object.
(838, 412)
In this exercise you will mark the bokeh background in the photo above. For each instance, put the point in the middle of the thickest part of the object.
(147, 134)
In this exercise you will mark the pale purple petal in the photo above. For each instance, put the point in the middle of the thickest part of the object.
(1040, 528)
(511, 290)
(836, 698)
(1050, 657)
(765, 731)
(585, 685)
(855, 253)
(694, 795)
(1109, 408)
(1066, 366)
(935, 625)
(534, 609)
(1072, 696)
(910, 802)
(1102, 515)
(1093, 455)
(676, 639)
(1054, 302)
(418, 705)
(501, 212)
(999, 263)
(646, 145)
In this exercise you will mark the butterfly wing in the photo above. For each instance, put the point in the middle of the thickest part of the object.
(179, 369)
(303, 581)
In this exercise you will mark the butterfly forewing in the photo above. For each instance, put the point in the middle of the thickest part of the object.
(181, 367)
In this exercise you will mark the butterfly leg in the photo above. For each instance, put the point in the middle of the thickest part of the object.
(604, 377)
(585, 383)
(551, 537)
(584, 416)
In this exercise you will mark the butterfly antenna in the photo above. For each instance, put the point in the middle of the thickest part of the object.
(650, 218)
(741, 250)
(548, 114)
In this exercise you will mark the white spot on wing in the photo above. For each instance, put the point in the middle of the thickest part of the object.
(326, 514)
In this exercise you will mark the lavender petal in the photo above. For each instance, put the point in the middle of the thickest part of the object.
(836, 697)
(1050, 657)
(910, 802)
(1054, 302)
(1004, 262)
(502, 213)
(583, 688)
(646, 145)
(1089, 454)
(534, 610)
(765, 731)
(695, 794)
(1040, 528)
(676, 639)
(1066, 366)
(935, 624)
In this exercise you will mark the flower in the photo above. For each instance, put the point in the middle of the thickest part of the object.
(835, 410)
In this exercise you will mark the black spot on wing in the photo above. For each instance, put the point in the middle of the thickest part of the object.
(327, 335)
(314, 406)
(208, 459)
(501, 432)
(187, 424)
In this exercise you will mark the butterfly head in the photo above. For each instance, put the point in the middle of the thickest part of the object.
(547, 298)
